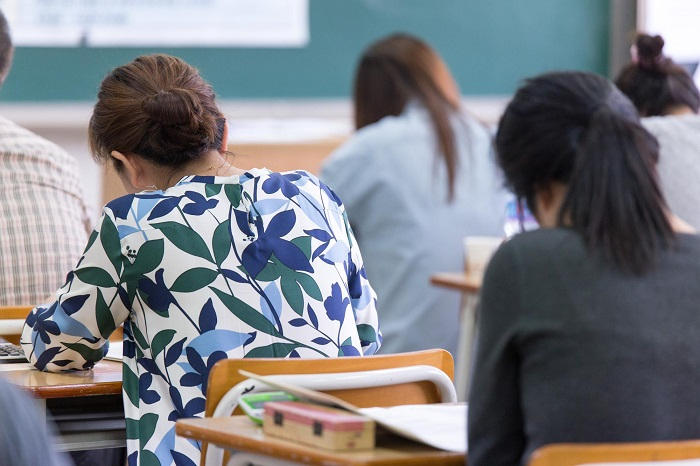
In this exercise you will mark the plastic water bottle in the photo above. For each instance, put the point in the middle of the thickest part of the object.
(518, 218)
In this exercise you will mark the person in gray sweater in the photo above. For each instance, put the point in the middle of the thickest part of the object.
(588, 328)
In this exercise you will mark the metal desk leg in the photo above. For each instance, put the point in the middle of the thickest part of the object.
(470, 302)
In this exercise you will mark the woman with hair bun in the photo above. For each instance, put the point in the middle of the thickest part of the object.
(203, 261)
(668, 99)
(656, 84)
(588, 327)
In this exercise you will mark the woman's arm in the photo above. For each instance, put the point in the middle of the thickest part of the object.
(496, 432)
(71, 333)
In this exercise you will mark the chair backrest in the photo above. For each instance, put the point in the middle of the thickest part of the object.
(574, 454)
(419, 377)
(11, 321)
(224, 375)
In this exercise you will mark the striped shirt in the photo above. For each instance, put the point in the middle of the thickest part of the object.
(44, 222)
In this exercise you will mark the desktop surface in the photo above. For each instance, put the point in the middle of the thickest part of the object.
(104, 379)
(240, 433)
(86, 406)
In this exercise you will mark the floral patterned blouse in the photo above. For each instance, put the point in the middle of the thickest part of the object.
(258, 265)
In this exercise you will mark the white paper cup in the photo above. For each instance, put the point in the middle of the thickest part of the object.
(478, 251)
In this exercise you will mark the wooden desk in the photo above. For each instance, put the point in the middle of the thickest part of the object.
(86, 406)
(469, 286)
(457, 281)
(241, 434)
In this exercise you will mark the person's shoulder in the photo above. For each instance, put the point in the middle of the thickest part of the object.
(689, 242)
(672, 123)
(267, 179)
(120, 206)
(388, 138)
(9, 127)
(10, 130)
(534, 253)
(392, 126)
(292, 176)
(544, 242)
(393, 129)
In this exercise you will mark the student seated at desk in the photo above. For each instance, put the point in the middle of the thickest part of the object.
(44, 220)
(203, 262)
(666, 96)
(416, 178)
(588, 327)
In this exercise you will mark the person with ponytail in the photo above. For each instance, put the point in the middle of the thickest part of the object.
(587, 329)
(668, 100)
(416, 178)
(201, 262)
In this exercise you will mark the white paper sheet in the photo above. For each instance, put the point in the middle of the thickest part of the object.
(442, 426)
(116, 351)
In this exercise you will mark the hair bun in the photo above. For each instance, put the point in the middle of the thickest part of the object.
(649, 51)
(173, 107)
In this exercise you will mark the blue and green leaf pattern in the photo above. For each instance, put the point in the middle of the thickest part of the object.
(258, 265)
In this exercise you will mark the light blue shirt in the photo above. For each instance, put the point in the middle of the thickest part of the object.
(395, 194)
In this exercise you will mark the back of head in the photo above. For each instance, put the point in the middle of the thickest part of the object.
(7, 50)
(159, 108)
(401, 68)
(655, 83)
(577, 129)
(393, 71)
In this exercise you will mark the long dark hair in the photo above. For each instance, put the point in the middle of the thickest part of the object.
(654, 82)
(578, 129)
(397, 69)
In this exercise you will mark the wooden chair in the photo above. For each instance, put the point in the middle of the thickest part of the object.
(384, 380)
(574, 454)
(11, 321)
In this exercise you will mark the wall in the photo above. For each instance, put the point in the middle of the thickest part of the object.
(489, 44)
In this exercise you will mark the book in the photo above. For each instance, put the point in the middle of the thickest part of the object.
(440, 425)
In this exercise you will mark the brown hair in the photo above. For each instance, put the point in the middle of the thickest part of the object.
(159, 108)
(7, 50)
(397, 69)
(655, 83)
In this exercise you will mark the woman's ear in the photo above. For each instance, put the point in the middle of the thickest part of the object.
(131, 173)
(224, 139)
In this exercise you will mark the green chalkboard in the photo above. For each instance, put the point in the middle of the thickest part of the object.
(490, 45)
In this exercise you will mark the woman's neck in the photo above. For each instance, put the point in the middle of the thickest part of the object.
(680, 226)
(213, 163)
(678, 110)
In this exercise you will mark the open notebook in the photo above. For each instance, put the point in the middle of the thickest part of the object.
(442, 426)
